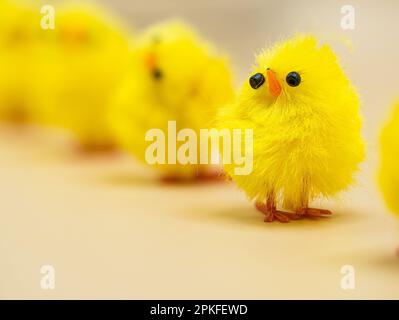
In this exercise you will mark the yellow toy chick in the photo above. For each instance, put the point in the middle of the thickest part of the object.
(19, 33)
(175, 76)
(83, 62)
(304, 114)
(389, 170)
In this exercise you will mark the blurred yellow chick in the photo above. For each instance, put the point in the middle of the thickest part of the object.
(82, 64)
(304, 114)
(389, 169)
(19, 33)
(175, 76)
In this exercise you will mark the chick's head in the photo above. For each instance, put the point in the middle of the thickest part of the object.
(298, 72)
(19, 25)
(85, 29)
(180, 70)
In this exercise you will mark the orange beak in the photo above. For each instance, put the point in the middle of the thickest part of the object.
(75, 36)
(274, 85)
(150, 61)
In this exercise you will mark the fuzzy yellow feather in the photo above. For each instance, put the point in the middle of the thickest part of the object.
(83, 62)
(304, 113)
(19, 35)
(389, 169)
(174, 76)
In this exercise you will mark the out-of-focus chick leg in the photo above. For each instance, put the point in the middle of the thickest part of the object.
(172, 179)
(271, 212)
(207, 174)
(95, 148)
(202, 174)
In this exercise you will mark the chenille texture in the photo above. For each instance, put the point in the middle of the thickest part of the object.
(174, 76)
(307, 141)
(389, 169)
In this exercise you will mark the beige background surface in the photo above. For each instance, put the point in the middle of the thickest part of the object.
(112, 231)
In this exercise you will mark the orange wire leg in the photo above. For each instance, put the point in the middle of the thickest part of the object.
(272, 214)
(306, 212)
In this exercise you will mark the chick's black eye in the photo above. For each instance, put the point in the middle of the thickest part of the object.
(157, 74)
(256, 80)
(293, 79)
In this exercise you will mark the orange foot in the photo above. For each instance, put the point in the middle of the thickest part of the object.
(313, 213)
(272, 214)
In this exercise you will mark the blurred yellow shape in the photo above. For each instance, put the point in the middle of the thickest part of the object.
(174, 76)
(82, 62)
(389, 167)
(19, 35)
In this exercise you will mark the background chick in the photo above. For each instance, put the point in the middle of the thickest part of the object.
(307, 128)
(19, 34)
(389, 169)
(83, 61)
(175, 76)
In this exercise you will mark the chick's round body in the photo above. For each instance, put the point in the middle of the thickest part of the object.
(83, 62)
(174, 76)
(307, 137)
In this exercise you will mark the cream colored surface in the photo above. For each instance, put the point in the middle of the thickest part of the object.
(111, 231)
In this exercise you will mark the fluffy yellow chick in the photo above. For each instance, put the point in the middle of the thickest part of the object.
(175, 76)
(304, 114)
(389, 169)
(83, 62)
(19, 33)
